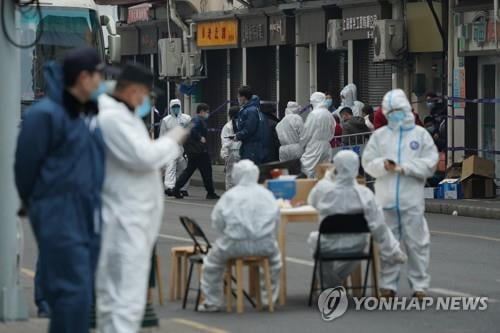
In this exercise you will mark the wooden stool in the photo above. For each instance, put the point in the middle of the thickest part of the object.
(178, 270)
(253, 264)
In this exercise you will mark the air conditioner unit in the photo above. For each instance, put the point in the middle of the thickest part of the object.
(170, 57)
(387, 40)
(194, 66)
(334, 40)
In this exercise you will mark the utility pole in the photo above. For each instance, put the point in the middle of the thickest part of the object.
(12, 301)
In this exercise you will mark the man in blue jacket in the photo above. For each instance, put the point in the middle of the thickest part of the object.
(59, 172)
(253, 128)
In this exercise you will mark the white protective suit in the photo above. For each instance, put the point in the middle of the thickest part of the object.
(230, 152)
(247, 217)
(289, 130)
(348, 96)
(316, 137)
(132, 210)
(401, 194)
(341, 194)
(174, 168)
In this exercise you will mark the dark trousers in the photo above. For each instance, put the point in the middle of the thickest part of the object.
(40, 301)
(200, 161)
(67, 264)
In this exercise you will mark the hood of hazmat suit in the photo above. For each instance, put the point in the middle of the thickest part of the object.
(173, 120)
(132, 211)
(348, 97)
(289, 130)
(318, 131)
(339, 193)
(248, 211)
(410, 146)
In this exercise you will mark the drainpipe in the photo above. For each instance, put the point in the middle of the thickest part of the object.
(186, 33)
(451, 61)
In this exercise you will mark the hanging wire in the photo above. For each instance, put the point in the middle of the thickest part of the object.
(22, 8)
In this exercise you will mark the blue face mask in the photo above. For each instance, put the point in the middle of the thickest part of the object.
(176, 110)
(396, 117)
(430, 105)
(101, 89)
(145, 108)
(328, 103)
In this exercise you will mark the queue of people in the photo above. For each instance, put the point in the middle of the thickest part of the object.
(89, 176)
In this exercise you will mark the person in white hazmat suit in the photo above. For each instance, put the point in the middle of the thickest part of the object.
(247, 217)
(401, 156)
(348, 97)
(230, 150)
(132, 199)
(339, 193)
(174, 168)
(316, 137)
(289, 130)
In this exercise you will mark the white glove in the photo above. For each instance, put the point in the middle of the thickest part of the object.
(178, 134)
(399, 257)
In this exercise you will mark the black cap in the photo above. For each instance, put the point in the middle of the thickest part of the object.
(80, 60)
(135, 73)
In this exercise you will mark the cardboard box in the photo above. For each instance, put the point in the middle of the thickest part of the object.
(429, 192)
(449, 189)
(478, 188)
(321, 169)
(454, 171)
(303, 188)
(477, 166)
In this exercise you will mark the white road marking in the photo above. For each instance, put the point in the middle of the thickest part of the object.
(289, 259)
(198, 326)
(448, 292)
(28, 272)
(188, 203)
(438, 232)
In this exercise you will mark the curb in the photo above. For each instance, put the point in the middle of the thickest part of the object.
(431, 206)
(462, 209)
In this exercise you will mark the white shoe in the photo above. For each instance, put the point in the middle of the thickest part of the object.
(208, 308)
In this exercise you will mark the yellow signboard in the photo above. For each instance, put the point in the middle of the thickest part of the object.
(217, 33)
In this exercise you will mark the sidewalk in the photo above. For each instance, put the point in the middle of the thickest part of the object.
(487, 208)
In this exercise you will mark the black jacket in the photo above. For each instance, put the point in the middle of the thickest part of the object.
(194, 145)
(355, 125)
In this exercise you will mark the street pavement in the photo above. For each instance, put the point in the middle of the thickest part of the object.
(464, 262)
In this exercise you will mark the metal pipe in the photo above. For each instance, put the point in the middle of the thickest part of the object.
(450, 76)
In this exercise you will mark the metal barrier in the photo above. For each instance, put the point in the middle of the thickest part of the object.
(356, 143)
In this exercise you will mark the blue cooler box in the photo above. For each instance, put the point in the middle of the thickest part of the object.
(282, 188)
(449, 189)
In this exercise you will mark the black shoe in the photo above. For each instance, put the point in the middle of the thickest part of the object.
(212, 196)
(43, 314)
(177, 194)
(185, 193)
(169, 192)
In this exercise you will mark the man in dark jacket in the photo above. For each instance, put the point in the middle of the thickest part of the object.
(253, 128)
(59, 172)
(353, 125)
(196, 150)
(272, 142)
